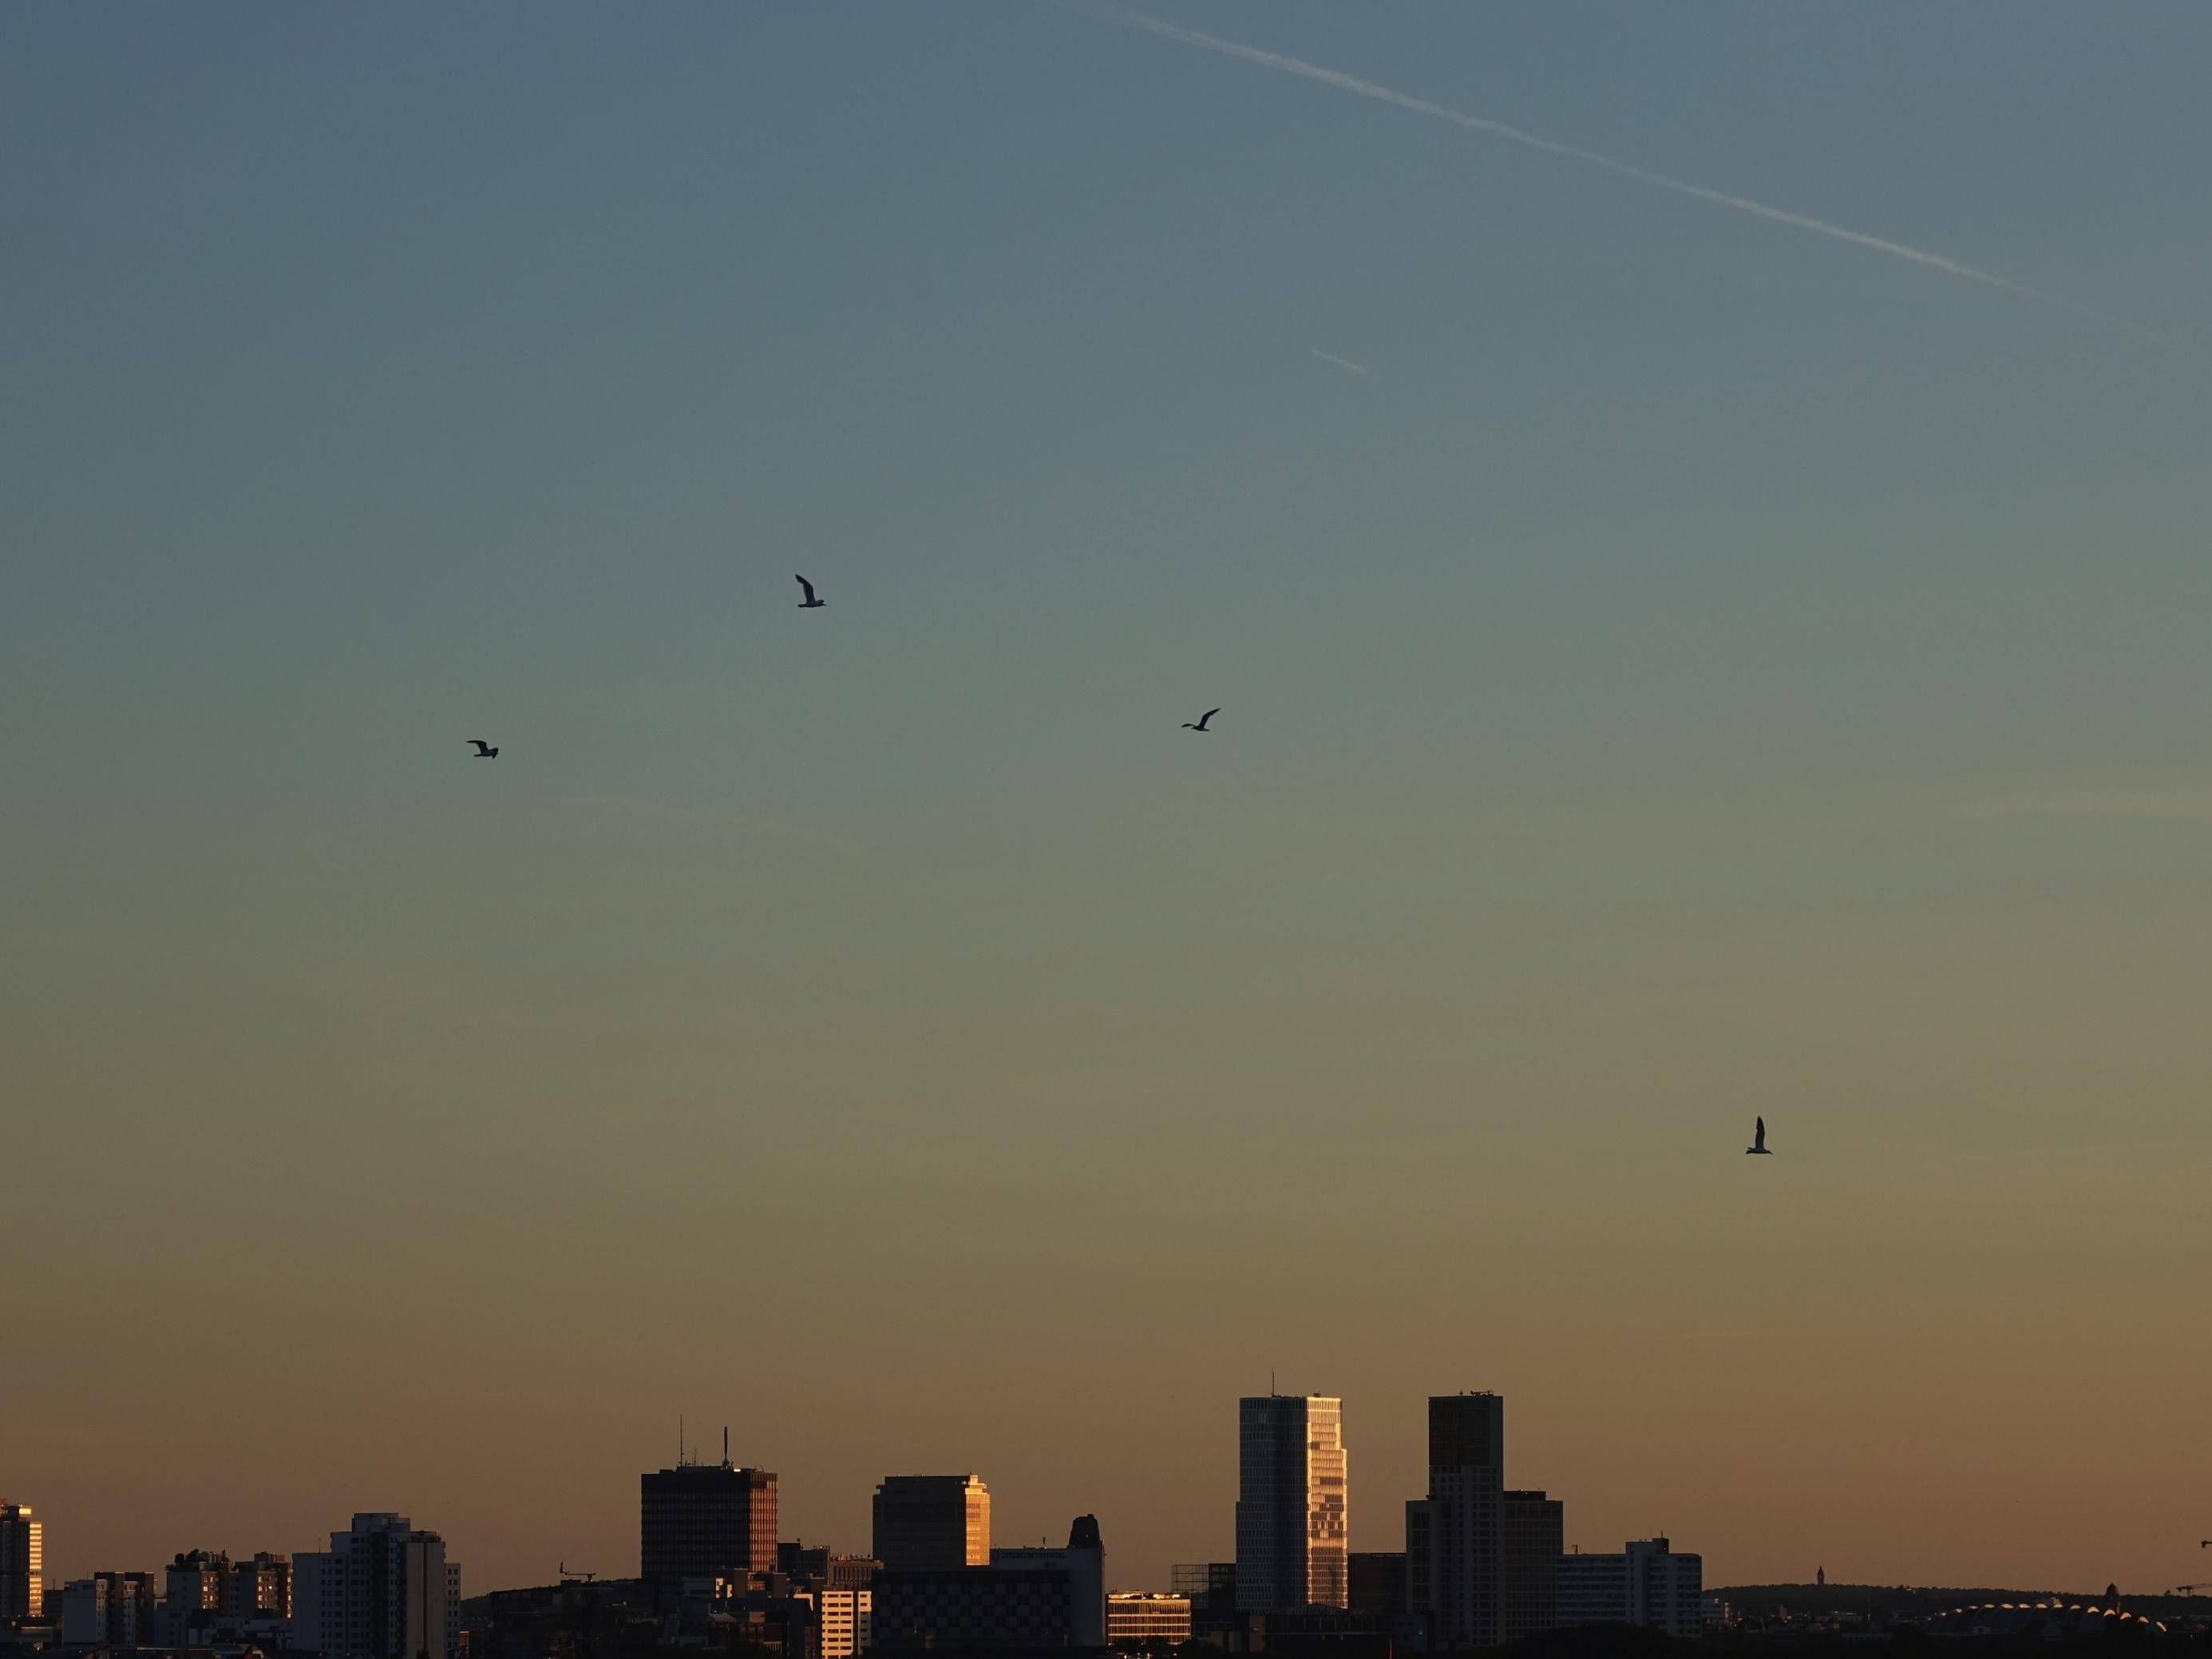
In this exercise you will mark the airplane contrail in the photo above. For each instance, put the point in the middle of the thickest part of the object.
(1108, 12)
(1342, 362)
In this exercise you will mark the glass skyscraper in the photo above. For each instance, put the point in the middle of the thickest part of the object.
(1293, 1531)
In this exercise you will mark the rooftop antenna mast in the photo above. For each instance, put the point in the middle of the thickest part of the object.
(726, 1445)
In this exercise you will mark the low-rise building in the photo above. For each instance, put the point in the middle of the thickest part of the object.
(1024, 1598)
(1136, 1617)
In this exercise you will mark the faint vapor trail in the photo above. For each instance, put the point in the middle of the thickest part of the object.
(1342, 362)
(1108, 12)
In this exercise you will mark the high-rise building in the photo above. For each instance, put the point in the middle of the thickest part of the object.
(1534, 1528)
(1666, 1587)
(1648, 1583)
(109, 1609)
(932, 1523)
(380, 1591)
(22, 1564)
(261, 1586)
(705, 1520)
(1293, 1531)
(1459, 1526)
(197, 1581)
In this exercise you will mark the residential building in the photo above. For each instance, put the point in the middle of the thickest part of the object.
(1135, 1617)
(1459, 1526)
(1022, 1598)
(197, 1581)
(1648, 1583)
(1666, 1587)
(1592, 1589)
(1534, 1527)
(1293, 1530)
(1376, 1581)
(380, 1591)
(705, 1520)
(22, 1564)
(261, 1585)
(932, 1523)
(109, 1609)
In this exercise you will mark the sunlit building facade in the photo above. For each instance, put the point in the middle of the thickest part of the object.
(1293, 1528)
(933, 1523)
(22, 1564)
(1139, 1616)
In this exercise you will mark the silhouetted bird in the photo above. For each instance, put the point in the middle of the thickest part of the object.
(485, 750)
(810, 602)
(1759, 1141)
(1199, 725)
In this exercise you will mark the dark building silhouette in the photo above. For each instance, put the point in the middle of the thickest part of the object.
(22, 1564)
(1211, 1585)
(1378, 1583)
(1650, 1582)
(1534, 1528)
(260, 1585)
(1022, 1598)
(1459, 1530)
(932, 1523)
(704, 1520)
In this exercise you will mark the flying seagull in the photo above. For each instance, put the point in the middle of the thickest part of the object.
(1199, 725)
(485, 750)
(810, 602)
(1757, 1146)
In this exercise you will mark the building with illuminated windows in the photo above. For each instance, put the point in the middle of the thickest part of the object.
(1133, 1616)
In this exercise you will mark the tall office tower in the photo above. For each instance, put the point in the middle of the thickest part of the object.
(1460, 1528)
(22, 1564)
(705, 1520)
(933, 1523)
(1534, 1528)
(378, 1592)
(1293, 1533)
(261, 1586)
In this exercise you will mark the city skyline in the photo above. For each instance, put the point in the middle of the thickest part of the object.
(1701, 640)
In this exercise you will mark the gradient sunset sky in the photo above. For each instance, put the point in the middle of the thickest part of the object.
(1675, 666)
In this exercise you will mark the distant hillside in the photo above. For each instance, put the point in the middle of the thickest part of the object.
(1923, 1600)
